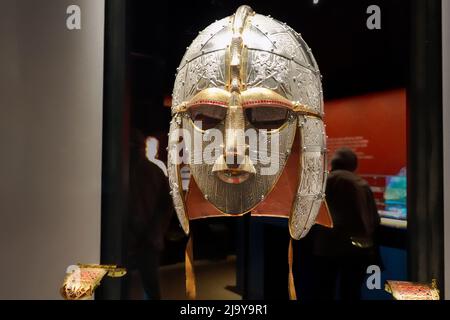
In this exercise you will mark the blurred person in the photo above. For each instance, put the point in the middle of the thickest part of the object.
(152, 146)
(150, 212)
(343, 253)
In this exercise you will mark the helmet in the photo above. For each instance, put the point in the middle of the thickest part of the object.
(247, 110)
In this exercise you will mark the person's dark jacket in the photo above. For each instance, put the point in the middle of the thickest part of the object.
(354, 213)
(151, 206)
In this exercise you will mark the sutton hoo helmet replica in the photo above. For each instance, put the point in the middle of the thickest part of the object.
(247, 111)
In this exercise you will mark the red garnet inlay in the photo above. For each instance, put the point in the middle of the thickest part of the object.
(273, 102)
(245, 104)
(209, 102)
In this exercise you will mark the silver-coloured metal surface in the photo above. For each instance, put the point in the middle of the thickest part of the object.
(311, 190)
(175, 181)
(238, 54)
(277, 59)
(242, 197)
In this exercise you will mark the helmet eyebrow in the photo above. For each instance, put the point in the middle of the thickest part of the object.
(211, 96)
(250, 98)
(265, 97)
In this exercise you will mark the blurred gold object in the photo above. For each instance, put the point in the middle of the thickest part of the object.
(403, 290)
(81, 282)
(363, 243)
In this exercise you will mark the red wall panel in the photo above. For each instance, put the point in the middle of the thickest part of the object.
(374, 126)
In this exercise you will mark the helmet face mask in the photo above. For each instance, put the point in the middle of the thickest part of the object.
(244, 164)
(244, 88)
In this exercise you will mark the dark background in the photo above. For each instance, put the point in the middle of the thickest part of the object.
(145, 40)
(353, 59)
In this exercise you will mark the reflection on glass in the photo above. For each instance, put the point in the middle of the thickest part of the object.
(395, 195)
(390, 194)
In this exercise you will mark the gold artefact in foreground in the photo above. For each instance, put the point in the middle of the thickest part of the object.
(403, 290)
(81, 282)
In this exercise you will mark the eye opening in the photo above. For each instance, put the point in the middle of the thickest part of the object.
(209, 115)
(267, 117)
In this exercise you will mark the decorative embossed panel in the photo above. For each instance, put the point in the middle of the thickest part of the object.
(313, 132)
(312, 173)
(300, 215)
(206, 71)
(268, 71)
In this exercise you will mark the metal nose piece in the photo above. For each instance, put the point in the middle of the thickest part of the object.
(234, 160)
(240, 164)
